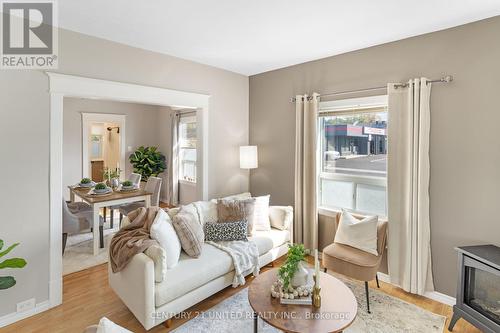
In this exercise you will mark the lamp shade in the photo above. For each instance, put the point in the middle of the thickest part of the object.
(248, 157)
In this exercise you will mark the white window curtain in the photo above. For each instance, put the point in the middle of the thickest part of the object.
(409, 248)
(173, 186)
(306, 175)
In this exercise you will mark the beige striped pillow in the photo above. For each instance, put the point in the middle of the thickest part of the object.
(190, 233)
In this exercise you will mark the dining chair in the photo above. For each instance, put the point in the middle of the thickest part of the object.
(135, 178)
(355, 263)
(76, 221)
(153, 185)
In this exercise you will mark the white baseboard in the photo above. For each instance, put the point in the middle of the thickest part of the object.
(434, 295)
(16, 316)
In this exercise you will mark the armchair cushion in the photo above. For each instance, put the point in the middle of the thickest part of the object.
(360, 234)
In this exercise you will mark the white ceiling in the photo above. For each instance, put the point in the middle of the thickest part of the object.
(254, 36)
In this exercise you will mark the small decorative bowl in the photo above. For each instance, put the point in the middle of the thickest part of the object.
(91, 184)
(128, 188)
(102, 191)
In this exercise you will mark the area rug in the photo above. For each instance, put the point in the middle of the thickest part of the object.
(79, 251)
(389, 315)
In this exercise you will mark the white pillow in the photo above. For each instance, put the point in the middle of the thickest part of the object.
(261, 214)
(281, 217)
(207, 211)
(107, 326)
(361, 234)
(163, 232)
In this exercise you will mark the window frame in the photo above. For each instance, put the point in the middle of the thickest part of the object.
(182, 147)
(346, 107)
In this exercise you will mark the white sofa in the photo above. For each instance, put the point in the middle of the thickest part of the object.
(192, 280)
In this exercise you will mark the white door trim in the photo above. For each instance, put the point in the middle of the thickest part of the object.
(60, 86)
(87, 120)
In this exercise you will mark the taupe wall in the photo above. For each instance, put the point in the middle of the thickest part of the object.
(24, 133)
(141, 124)
(465, 158)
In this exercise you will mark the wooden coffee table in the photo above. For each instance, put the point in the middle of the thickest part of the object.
(338, 306)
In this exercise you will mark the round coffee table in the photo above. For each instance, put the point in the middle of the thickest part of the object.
(338, 306)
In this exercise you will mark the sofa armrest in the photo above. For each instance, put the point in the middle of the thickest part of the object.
(281, 217)
(159, 257)
(135, 285)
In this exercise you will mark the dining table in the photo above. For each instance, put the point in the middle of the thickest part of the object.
(98, 201)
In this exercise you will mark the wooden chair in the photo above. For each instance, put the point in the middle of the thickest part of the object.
(355, 263)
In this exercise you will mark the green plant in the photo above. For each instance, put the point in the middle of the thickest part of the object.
(111, 173)
(296, 254)
(127, 183)
(7, 282)
(85, 181)
(148, 161)
(100, 186)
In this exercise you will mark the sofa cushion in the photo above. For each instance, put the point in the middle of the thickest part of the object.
(264, 244)
(191, 273)
(190, 232)
(281, 217)
(164, 233)
(229, 231)
(261, 214)
(207, 211)
(236, 210)
(276, 236)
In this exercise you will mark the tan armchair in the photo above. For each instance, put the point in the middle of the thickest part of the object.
(355, 263)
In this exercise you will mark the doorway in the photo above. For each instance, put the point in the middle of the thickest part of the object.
(103, 146)
(60, 86)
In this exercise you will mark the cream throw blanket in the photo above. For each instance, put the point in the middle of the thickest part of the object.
(245, 257)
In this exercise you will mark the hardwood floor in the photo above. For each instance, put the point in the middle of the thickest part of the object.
(87, 297)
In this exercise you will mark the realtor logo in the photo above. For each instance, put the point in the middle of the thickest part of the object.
(29, 39)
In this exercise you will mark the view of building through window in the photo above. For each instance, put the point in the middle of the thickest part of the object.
(354, 160)
(187, 148)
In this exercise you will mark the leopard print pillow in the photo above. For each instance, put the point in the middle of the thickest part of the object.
(228, 231)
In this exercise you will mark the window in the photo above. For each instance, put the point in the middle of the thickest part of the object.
(96, 143)
(187, 147)
(353, 147)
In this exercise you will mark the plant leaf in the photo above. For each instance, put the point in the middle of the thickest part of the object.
(1, 244)
(8, 249)
(7, 282)
(13, 263)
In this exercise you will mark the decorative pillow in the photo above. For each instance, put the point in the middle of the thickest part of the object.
(228, 231)
(159, 257)
(173, 211)
(281, 217)
(236, 210)
(240, 196)
(207, 211)
(361, 234)
(107, 326)
(190, 233)
(261, 214)
(163, 232)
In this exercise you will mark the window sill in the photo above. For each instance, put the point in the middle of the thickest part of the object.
(186, 182)
(332, 212)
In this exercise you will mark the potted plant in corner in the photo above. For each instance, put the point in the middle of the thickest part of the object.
(7, 282)
(148, 162)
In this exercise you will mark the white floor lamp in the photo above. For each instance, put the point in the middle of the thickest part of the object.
(248, 159)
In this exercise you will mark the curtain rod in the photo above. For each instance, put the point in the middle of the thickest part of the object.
(444, 79)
